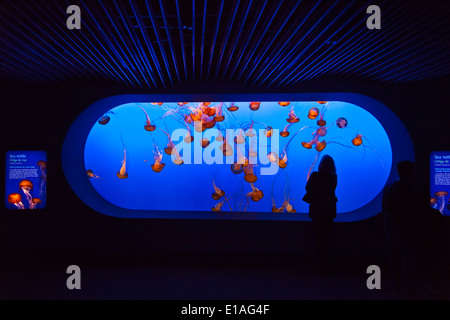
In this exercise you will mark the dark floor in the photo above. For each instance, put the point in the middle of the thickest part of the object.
(200, 277)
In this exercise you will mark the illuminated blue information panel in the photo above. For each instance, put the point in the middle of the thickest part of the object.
(440, 181)
(26, 180)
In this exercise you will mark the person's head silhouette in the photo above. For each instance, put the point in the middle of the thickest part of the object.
(405, 170)
(327, 165)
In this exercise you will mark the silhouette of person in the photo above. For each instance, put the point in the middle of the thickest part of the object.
(320, 194)
(400, 222)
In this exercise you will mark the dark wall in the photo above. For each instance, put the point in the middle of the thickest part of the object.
(39, 117)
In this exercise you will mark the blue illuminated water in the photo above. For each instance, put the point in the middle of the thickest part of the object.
(362, 170)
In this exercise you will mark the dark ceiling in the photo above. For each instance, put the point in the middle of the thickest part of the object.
(160, 44)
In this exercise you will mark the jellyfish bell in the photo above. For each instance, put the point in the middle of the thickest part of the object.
(182, 103)
(284, 103)
(341, 122)
(284, 133)
(42, 164)
(254, 106)
(35, 202)
(282, 163)
(156, 103)
(321, 123)
(357, 141)
(199, 126)
(321, 145)
(232, 108)
(441, 194)
(273, 157)
(26, 185)
(322, 102)
(250, 132)
(104, 119)
(150, 127)
(313, 113)
(237, 168)
(188, 118)
(209, 124)
(122, 175)
(157, 167)
(239, 139)
(206, 103)
(16, 200)
(218, 194)
(293, 120)
(268, 131)
(290, 208)
(433, 200)
(321, 132)
(189, 138)
(205, 142)
(219, 118)
(307, 145)
(178, 161)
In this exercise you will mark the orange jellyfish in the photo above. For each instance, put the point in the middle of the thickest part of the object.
(441, 199)
(341, 122)
(206, 103)
(268, 131)
(188, 118)
(158, 165)
(232, 107)
(27, 187)
(290, 207)
(239, 138)
(249, 176)
(282, 161)
(237, 168)
(226, 148)
(284, 103)
(189, 138)
(209, 124)
(208, 111)
(35, 202)
(169, 148)
(16, 199)
(358, 140)
(205, 142)
(321, 145)
(313, 113)
(322, 102)
(104, 119)
(273, 157)
(218, 193)
(285, 132)
(255, 194)
(178, 159)
(254, 106)
(148, 126)
(218, 206)
(122, 173)
(91, 174)
(219, 117)
(307, 145)
(157, 103)
(321, 123)
(321, 132)
(292, 117)
(250, 132)
(182, 103)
